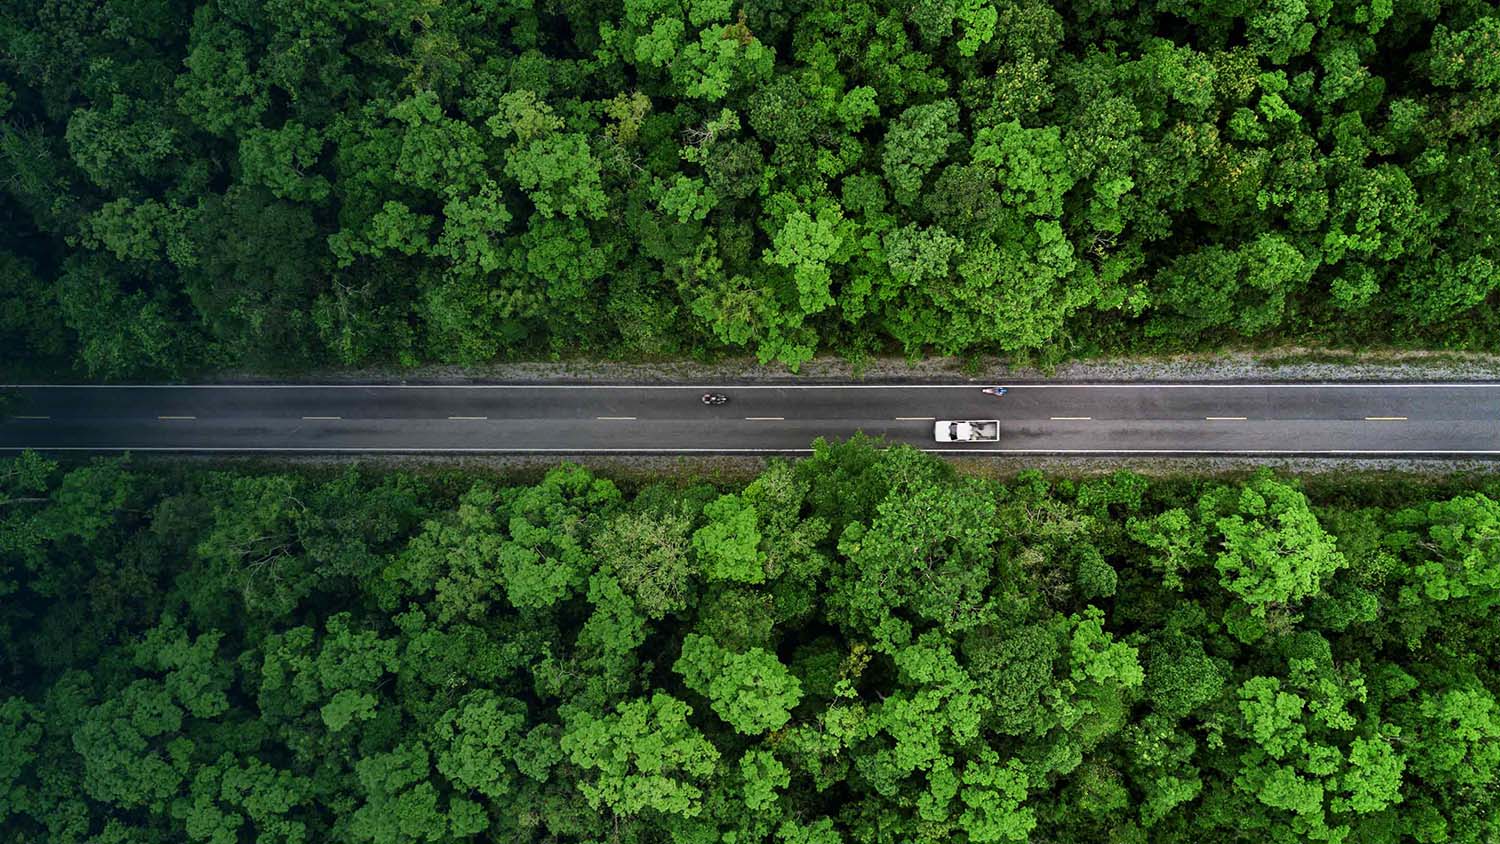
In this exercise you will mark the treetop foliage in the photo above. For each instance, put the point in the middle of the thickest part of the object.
(205, 183)
(861, 646)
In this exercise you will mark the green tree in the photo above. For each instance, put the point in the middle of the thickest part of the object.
(642, 756)
(1274, 553)
(753, 692)
(729, 544)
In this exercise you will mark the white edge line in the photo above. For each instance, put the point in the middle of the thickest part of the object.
(467, 418)
(616, 418)
(175, 418)
(1269, 385)
(312, 418)
(957, 451)
(32, 418)
(1385, 419)
(765, 418)
(1226, 419)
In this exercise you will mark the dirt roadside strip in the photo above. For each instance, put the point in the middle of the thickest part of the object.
(1281, 364)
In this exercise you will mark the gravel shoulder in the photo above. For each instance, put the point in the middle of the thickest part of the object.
(1279, 364)
(734, 469)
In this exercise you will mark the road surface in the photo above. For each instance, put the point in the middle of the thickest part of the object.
(1357, 419)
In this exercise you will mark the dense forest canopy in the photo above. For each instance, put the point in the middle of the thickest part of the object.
(289, 183)
(856, 648)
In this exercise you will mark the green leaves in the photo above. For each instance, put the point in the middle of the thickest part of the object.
(753, 692)
(1272, 716)
(1457, 730)
(1246, 290)
(1275, 554)
(650, 556)
(220, 91)
(642, 756)
(347, 707)
(992, 796)
(280, 158)
(285, 187)
(402, 804)
(560, 175)
(1373, 780)
(148, 231)
(476, 738)
(686, 199)
(1031, 166)
(722, 60)
(764, 775)
(920, 256)
(906, 558)
(473, 231)
(132, 754)
(227, 797)
(808, 243)
(1465, 57)
(916, 142)
(730, 543)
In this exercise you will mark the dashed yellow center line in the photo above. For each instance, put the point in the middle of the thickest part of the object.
(176, 418)
(1071, 418)
(1225, 418)
(321, 418)
(468, 418)
(616, 418)
(1385, 418)
(765, 418)
(916, 418)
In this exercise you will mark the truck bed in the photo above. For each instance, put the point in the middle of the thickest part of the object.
(966, 430)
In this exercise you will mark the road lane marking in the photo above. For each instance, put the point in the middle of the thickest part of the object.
(765, 418)
(916, 418)
(468, 418)
(617, 418)
(1071, 418)
(31, 417)
(1225, 418)
(1385, 418)
(1436, 452)
(311, 418)
(176, 418)
(974, 386)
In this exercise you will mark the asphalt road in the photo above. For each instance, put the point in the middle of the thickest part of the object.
(1458, 420)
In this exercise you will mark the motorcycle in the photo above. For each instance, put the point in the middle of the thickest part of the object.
(713, 399)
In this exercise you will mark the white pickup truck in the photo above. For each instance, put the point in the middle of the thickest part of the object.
(972, 431)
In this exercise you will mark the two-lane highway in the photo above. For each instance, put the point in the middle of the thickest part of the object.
(1355, 419)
